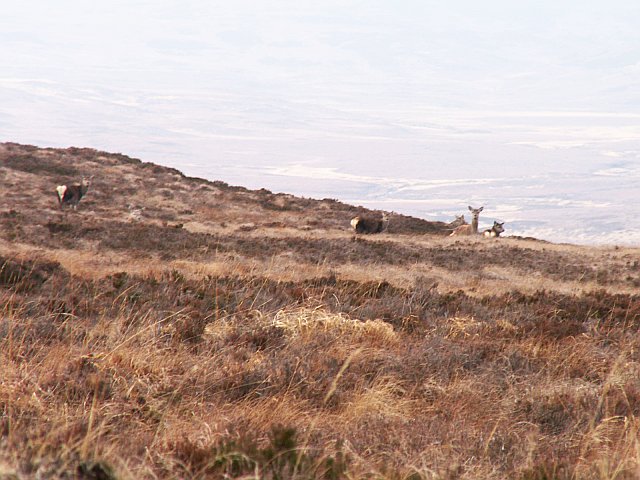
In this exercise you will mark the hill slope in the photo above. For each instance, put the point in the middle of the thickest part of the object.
(219, 330)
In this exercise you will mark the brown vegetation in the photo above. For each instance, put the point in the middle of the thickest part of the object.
(261, 340)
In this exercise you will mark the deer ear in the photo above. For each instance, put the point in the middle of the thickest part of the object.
(470, 208)
(480, 209)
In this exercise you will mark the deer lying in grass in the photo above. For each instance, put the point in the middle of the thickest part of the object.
(457, 222)
(71, 194)
(471, 229)
(370, 225)
(494, 231)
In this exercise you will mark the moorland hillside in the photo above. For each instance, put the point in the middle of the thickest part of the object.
(174, 327)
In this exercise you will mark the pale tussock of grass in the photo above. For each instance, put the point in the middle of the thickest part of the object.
(7, 472)
(463, 327)
(219, 330)
(285, 408)
(610, 450)
(384, 399)
(307, 322)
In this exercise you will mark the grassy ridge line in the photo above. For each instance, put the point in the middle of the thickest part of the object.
(220, 223)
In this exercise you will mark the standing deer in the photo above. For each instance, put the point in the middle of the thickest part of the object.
(71, 194)
(469, 229)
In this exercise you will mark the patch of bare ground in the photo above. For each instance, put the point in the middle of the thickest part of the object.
(230, 333)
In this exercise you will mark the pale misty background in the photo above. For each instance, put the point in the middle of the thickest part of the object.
(530, 108)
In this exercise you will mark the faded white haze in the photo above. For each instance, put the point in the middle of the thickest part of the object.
(530, 108)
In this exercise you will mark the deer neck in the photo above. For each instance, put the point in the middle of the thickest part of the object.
(474, 224)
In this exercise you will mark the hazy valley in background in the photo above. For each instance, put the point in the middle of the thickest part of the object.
(530, 110)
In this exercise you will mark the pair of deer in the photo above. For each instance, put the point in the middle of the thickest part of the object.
(472, 229)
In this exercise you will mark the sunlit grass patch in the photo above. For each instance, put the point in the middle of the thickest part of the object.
(308, 322)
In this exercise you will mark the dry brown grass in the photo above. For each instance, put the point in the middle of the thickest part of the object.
(262, 340)
(146, 391)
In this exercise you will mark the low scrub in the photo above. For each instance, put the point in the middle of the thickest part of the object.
(235, 376)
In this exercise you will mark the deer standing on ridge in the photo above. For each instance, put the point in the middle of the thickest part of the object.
(71, 194)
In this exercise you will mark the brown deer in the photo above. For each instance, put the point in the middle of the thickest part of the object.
(471, 229)
(369, 225)
(494, 231)
(457, 222)
(71, 194)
